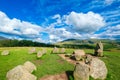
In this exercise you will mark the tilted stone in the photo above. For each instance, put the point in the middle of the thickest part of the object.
(98, 69)
(5, 52)
(81, 71)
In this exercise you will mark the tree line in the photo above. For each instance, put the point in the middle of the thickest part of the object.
(28, 43)
(22, 43)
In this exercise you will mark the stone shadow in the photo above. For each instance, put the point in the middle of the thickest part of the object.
(69, 75)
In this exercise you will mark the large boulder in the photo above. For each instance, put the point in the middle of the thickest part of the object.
(5, 52)
(99, 49)
(98, 69)
(81, 72)
(19, 73)
(79, 54)
(30, 67)
(32, 50)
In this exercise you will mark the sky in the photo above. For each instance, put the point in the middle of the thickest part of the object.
(51, 21)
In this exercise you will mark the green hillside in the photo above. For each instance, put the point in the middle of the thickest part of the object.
(89, 43)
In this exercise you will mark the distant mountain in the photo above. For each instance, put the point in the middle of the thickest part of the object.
(89, 43)
(86, 41)
(69, 40)
(3, 38)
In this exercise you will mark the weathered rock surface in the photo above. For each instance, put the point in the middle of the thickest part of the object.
(99, 49)
(5, 52)
(79, 54)
(98, 69)
(30, 67)
(19, 73)
(32, 50)
(81, 72)
(39, 54)
(88, 59)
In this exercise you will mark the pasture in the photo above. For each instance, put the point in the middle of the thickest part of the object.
(50, 64)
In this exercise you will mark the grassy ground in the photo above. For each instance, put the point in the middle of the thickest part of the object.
(53, 64)
(48, 64)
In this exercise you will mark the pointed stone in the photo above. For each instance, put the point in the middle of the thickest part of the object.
(99, 49)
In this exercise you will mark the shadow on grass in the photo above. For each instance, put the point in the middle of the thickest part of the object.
(69, 75)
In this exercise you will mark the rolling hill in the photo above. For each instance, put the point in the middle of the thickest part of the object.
(3, 38)
(88, 43)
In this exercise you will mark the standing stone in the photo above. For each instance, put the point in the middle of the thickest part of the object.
(99, 49)
(30, 67)
(62, 50)
(39, 54)
(19, 73)
(98, 69)
(55, 50)
(5, 52)
(81, 72)
(79, 54)
(32, 50)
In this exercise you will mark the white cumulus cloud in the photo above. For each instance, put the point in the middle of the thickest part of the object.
(17, 27)
(85, 23)
(60, 34)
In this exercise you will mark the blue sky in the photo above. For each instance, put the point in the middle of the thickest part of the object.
(57, 20)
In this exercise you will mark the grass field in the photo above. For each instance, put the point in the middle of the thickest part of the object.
(52, 63)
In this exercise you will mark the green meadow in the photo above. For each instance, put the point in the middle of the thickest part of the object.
(51, 64)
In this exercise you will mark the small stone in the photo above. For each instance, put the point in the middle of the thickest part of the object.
(32, 50)
(39, 54)
(5, 52)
